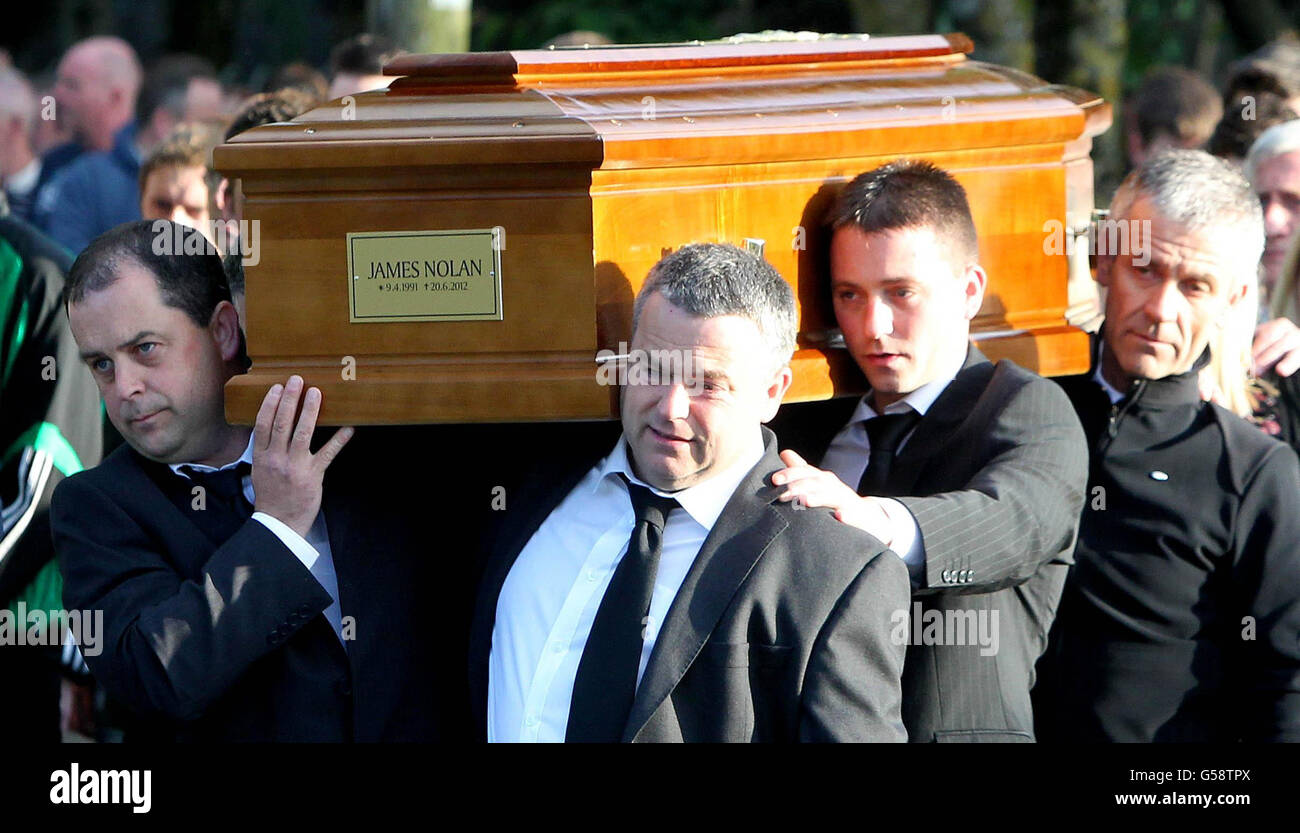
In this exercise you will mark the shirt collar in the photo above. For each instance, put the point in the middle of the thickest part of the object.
(918, 400)
(1112, 392)
(705, 500)
(184, 469)
(1173, 390)
(25, 180)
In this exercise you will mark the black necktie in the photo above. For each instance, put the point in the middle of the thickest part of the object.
(225, 491)
(885, 433)
(606, 683)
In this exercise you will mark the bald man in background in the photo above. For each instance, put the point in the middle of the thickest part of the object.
(95, 95)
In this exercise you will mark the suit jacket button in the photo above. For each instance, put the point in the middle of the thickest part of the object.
(947, 575)
(345, 688)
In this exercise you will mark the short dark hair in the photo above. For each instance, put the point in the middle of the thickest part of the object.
(364, 54)
(1235, 133)
(907, 194)
(270, 108)
(233, 263)
(167, 83)
(1177, 103)
(1273, 68)
(192, 283)
(299, 76)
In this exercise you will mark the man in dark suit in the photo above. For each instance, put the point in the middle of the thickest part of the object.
(241, 599)
(973, 472)
(1181, 615)
(658, 591)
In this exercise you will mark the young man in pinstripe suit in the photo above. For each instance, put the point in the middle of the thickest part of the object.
(972, 472)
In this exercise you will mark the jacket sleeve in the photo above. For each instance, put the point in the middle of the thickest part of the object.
(1266, 581)
(853, 685)
(1019, 510)
(51, 405)
(166, 645)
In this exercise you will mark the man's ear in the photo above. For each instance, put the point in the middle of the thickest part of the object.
(776, 389)
(1105, 267)
(224, 328)
(1133, 144)
(222, 199)
(975, 282)
(1238, 293)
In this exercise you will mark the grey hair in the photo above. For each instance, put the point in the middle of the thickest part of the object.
(17, 98)
(708, 280)
(1277, 140)
(1198, 191)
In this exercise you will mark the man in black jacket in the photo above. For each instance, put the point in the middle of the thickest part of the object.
(982, 492)
(1181, 615)
(246, 592)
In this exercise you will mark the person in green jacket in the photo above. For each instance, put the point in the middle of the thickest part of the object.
(50, 428)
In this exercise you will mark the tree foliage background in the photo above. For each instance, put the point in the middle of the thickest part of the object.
(1101, 45)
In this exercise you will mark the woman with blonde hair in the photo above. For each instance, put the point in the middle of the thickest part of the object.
(1229, 379)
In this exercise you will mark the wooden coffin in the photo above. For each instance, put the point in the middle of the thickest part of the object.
(590, 164)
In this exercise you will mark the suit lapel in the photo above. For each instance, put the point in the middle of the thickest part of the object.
(744, 530)
(941, 420)
(357, 572)
(188, 543)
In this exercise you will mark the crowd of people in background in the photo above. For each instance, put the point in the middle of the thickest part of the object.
(97, 142)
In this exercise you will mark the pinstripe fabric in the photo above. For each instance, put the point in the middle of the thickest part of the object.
(1000, 464)
(997, 471)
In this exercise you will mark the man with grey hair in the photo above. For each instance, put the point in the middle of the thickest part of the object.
(20, 167)
(660, 591)
(1180, 616)
(1273, 167)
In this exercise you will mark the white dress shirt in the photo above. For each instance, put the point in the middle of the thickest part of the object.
(313, 551)
(549, 600)
(850, 451)
(22, 182)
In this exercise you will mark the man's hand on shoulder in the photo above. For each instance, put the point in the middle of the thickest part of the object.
(287, 476)
(813, 487)
(1277, 347)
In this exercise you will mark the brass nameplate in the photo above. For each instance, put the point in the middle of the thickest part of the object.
(424, 275)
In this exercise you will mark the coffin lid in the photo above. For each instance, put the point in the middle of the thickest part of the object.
(677, 105)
